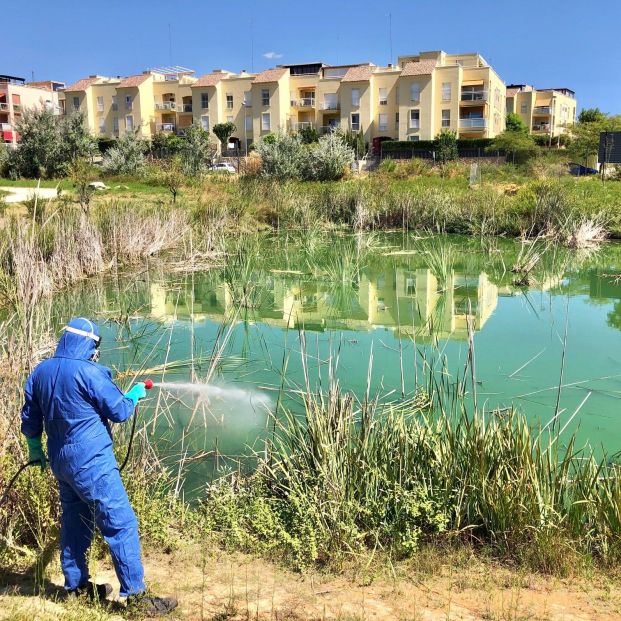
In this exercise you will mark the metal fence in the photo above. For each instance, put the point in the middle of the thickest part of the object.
(410, 154)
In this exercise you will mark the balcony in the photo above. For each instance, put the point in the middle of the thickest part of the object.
(296, 127)
(477, 96)
(4, 107)
(473, 124)
(542, 110)
(328, 129)
(165, 127)
(187, 107)
(330, 105)
(17, 108)
(165, 105)
(305, 102)
(541, 127)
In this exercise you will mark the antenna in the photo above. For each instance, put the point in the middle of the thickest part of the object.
(169, 45)
(32, 74)
(390, 34)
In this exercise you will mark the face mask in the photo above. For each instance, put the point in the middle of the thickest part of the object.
(95, 356)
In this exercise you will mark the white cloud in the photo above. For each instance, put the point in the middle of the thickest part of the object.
(272, 55)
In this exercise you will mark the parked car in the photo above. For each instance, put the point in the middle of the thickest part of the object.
(578, 170)
(223, 167)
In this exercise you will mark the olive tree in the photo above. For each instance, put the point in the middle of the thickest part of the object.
(126, 157)
(197, 151)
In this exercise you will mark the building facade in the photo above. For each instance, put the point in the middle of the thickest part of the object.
(412, 100)
(16, 95)
(546, 112)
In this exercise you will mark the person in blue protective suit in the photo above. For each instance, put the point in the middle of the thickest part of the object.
(74, 399)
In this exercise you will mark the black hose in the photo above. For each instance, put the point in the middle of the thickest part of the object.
(12, 481)
(131, 439)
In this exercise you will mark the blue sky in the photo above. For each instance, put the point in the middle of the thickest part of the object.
(548, 43)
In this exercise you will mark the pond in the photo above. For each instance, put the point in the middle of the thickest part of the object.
(392, 298)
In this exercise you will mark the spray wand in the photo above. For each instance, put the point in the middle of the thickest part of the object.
(148, 384)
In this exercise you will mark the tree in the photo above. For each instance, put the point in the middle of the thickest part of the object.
(76, 141)
(197, 151)
(330, 159)
(520, 145)
(447, 146)
(355, 140)
(165, 145)
(283, 156)
(309, 135)
(126, 157)
(224, 131)
(514, 123)
(591, 115)
(168, 174)
(82, 175)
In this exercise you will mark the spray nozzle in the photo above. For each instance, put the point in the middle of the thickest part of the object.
(148, 384)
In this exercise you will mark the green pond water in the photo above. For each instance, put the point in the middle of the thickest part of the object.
(387, 294)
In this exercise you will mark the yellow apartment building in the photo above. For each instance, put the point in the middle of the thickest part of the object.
(16, 95)
(546, 112)
(412, 100)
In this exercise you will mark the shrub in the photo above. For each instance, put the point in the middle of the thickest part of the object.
(330, 159)
(283, 157)
(388, 165)
(308, 135)
(126, 157)
(447, 146)
(197, 151)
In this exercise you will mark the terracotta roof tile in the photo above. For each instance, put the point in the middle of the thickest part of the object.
(270, 75)
(421, 67)
(211, 79)
(134, 80)
(81, 85)
(361, 73)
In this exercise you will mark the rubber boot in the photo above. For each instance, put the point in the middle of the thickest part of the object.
(94, 592)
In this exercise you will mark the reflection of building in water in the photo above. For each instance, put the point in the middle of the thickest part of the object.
(403, 300)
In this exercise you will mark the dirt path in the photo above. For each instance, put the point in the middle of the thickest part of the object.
(19, 195)
(219, 587)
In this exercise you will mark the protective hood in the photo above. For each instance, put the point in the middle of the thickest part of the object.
(78, 346)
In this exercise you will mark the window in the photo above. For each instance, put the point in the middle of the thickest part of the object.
(383, 96)
(446, 91)
(129, 123)
(115, 102)
(355, 122)
(383, 122)
(497, 97)
(415, 91)
(524, 108)
(265, 122)
(229, 101)
(248, 123)
(247, 98)
(397, 119)
(100, 104)
(128, 102)
(76, 103)
(115, 124)
(102, 125)
(414, 119)
(355, 97)
(330, 102)
(446, 118)
(205, 122)
(265, 97)
(414, 138)
(204, 101)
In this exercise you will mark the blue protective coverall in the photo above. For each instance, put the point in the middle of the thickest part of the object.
(74, 399)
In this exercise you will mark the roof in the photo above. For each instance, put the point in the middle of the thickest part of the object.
(512, 92)
(361, 73)
(81, 85)
(134, 80)
(270, 75)
(421, 67)
(211, 79)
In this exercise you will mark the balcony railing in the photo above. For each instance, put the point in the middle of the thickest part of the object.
(541, 127)
(165, 105)
(6, 127)
(296, 127)
(474, 96)
(328, 129)
(187, 107)
(472, 123)
(4, 107)
(17, 107)
(165, 127)
(330, 105)
(541, 110)
(305, 102)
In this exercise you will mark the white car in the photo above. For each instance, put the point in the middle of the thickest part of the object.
(223, 167)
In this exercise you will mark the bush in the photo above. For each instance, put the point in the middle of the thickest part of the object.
(283, 156)
(197, 151)
(388, 165)
(308, 135)
(330, 159)
(447, 146)
(126, 157)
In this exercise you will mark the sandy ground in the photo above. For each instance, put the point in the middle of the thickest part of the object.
(217, 586)
(18, 195)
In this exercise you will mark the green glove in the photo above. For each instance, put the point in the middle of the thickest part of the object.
(35, 451)
(136, 392)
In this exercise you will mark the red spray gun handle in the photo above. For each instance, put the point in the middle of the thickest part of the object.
(148, 384)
